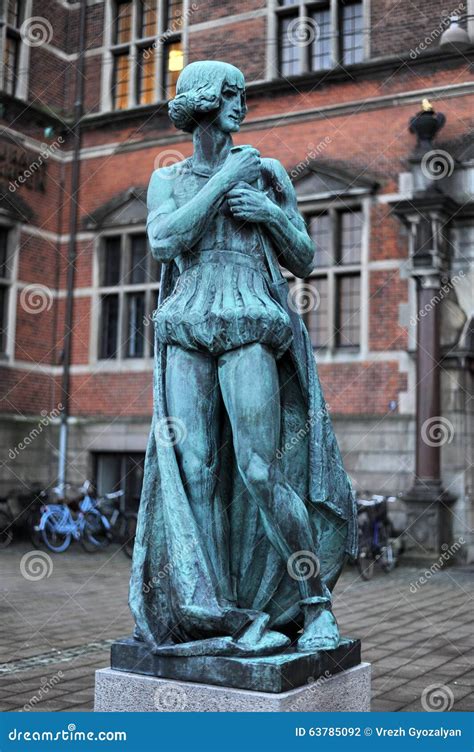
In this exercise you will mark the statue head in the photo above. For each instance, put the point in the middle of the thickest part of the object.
(209, 90)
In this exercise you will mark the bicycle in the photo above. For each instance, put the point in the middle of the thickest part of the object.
(376, 536)
(122, 524)
(58, 526)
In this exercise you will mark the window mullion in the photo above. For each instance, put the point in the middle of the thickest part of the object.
(160, 50)
(124, 266)
(335, 33)
(332, 286)
(133, 57)
(303, 47)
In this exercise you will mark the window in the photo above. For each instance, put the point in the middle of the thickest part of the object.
(319, 35)
(146, 49)
(5, 282)
(116, 471)
(334, 319)
(12, 46)
(128, 287)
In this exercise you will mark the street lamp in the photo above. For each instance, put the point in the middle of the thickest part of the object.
(455, 37)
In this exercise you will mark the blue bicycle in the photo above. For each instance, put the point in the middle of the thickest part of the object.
(58, 525)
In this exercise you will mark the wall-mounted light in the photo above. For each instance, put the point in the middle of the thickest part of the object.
(455, 37)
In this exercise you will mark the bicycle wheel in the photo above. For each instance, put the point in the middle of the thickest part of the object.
(54, 537)
(95, 534)
(129, 536)
(6, 532)
(365, 563)
(32, 522)
(388, 560)
(119, 530)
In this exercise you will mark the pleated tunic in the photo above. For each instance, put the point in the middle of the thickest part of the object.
(222, 298)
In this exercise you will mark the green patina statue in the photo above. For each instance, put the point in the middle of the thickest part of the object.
(247, 514)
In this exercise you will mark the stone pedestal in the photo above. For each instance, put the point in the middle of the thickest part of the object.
(121, 691)
(272, 673)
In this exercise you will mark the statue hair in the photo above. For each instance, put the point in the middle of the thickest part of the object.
(198, 91)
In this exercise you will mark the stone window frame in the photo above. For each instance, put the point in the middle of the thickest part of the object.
(9, 282)
(121, 361)
(303, 9)
(160, 42)
(12, 32)
(333, 351)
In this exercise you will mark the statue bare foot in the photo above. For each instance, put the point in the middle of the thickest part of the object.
(320, 627)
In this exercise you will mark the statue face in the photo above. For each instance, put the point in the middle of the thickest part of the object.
(232, 109)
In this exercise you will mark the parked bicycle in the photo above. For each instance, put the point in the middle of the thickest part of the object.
(76, 518)
(379, 542)
(19, 510)
(123, 524)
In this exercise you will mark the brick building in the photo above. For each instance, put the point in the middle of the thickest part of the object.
(332, 85)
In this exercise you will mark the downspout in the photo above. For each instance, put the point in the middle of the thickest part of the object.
(73, 220)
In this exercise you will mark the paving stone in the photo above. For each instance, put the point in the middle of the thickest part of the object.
(381, 706)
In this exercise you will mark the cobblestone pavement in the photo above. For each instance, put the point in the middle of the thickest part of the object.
(60, 614)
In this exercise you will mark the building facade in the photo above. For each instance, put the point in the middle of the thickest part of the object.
(332, 86)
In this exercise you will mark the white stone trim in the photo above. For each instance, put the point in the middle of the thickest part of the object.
(13, 253)
(138, 365)
(280, 120)
(53, 236)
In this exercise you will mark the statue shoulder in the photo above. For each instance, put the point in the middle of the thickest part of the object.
(276, 176)
(163, 181)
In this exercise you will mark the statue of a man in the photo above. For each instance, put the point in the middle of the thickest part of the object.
(246, 514)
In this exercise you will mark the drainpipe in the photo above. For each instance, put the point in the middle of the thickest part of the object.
(73, 220)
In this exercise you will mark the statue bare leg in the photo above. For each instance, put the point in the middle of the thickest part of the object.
(248, 378)
(193, 398)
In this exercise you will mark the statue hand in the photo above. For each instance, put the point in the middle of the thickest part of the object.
(250, 204)
(242, 165)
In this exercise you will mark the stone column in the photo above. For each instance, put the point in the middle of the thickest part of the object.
(428, 504)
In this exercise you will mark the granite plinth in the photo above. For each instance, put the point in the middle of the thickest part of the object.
(276, 673)
(119, 691)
